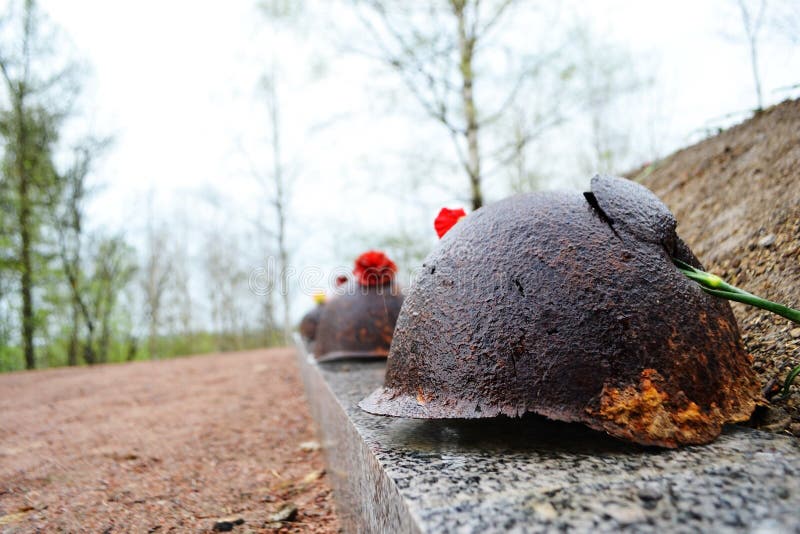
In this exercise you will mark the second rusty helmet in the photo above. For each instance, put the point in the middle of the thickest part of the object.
(359, 322)
(570, 307)
(309, 322)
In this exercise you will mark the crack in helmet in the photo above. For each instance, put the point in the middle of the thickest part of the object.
(570, 307)
(359, 322)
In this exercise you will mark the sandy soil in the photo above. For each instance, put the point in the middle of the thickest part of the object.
(171, 446)
(737, 200)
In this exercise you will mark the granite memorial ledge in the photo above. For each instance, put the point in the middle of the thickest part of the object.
(535, 475)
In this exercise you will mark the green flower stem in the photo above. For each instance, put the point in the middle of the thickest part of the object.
(784, 392)
(774, 307)
(714, 285)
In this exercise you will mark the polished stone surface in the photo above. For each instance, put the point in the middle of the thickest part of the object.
(534, 475)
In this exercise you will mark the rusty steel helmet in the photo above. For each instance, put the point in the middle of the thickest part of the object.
(570, 307)
(359, 322)
(308, 324)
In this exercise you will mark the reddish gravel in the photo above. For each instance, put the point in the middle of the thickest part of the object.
(168, 446)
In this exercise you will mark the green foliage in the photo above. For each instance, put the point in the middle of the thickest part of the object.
(61, 283)
(167, 347)
(54, 354)
(29, 128)
(11, 358)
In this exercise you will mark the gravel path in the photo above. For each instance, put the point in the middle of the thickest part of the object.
(184, 445)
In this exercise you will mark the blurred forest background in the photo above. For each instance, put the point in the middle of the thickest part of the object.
(362, 119)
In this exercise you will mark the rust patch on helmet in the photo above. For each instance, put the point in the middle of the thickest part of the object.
(649, 412)
(423, 398)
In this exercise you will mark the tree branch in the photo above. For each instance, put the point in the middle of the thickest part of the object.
(494, 20)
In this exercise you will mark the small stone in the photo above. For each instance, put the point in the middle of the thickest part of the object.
(226, 525)
(650, 494)
(775, 419)
(624, 515)
(287, 512)
(795, 332)
(767, 241)
(545, 511)
(313, 475)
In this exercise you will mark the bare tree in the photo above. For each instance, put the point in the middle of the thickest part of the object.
(181, 295)
(752, 20)
(434, 46)
(522, 179)
(785, 20)
(275, 186)
(67, 209)
(603, 74)
(157, 269)
(280, 200)
(179, 310)
(226, 278)
(114, 268)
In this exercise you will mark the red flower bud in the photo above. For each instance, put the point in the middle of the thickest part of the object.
(446, 219)
(374, 268)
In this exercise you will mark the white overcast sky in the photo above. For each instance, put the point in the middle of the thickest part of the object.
(176, 83)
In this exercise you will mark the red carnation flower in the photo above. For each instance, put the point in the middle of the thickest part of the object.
(446, 219)
(374, 268)
(341, 280)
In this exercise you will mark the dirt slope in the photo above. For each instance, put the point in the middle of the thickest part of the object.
(169, 446)
(737, 200)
